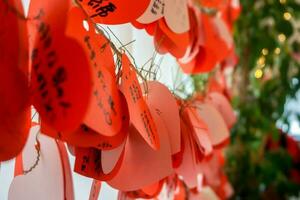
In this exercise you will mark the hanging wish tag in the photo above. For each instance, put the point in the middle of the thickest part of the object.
(59, 68)
(139, 112)
(177, 16)
(114, 11)
(154, 12)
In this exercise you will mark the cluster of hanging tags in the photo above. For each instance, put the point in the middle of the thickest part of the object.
(138, 136)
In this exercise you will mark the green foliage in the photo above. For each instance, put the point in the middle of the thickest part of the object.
(255, 171)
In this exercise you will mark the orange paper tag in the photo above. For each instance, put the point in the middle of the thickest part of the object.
(188, 169)
(14, 92)
(147, 192)
(164, 102)
(88, 163)
(177, 16)
(154, 12)
(86, 137)
(156, 165)
(104, 112)
(222, 104)
(114, 11)
(168, 41)
(218, 131)
(201, 133)
(217, 4)
(59, 70)
(213, 40)
(139, 112)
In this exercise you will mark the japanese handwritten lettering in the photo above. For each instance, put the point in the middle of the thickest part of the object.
(45, 61)
(100, 8)
(136, 93)
(103, 145)
(98, 92)
(157, 7)
(88, 162)
(139, 111)
(145, 116)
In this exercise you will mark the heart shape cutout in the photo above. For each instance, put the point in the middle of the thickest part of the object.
(188, 169)
(104, 105)
(217, 129)
(222, 104)
(132, 175)
(147, 192)
(168, 41)
(139, 112)
(86, 137)
(175, 13)
(58, 62)
(160, 98)
(200, 131)
(177, 16)
(14, 91)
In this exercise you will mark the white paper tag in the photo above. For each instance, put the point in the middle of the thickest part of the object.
(154, 12)
(46, 180)
(177, 16)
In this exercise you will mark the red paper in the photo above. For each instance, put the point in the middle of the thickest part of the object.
(168, 41)
(85, 137)
(114, 11)
(223, 106)
(88, 163)
(201, 132)
(140, 115)
(188, 169)
(68, 178)
(160, 98)
(142, 165)
(213, 38)
(150, 28)
(180, 193)
(14, 92)
(59, 68)
(110, 158)
(218, 131)
(104, 112)
(216, 4)
(147, 192)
